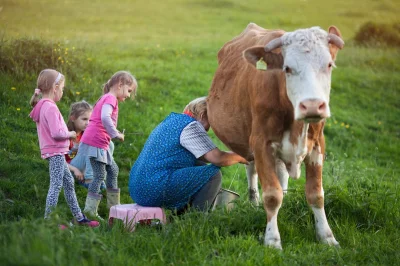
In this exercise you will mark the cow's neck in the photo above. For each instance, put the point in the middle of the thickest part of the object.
(293, 147)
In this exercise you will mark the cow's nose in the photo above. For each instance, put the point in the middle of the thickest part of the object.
(313, 108)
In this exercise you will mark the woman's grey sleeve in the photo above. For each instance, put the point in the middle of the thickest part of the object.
(195, 139)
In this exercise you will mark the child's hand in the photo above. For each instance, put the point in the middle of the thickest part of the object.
(121, 136)
(78, 174)
(72, 135)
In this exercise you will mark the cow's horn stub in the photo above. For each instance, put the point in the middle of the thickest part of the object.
(275, 43)
(336, 40)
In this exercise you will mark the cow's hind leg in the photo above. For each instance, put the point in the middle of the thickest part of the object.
(283, 175)
(252, 180)
(315, 198)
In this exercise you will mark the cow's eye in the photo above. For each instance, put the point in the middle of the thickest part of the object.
(287, 70)
(331, 65)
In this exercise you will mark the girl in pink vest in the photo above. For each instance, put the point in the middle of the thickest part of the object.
(54, 141)
(96, 140)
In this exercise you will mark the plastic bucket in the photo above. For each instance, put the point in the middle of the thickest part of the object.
(225, 199)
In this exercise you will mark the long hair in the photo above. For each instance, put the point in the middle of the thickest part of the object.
(121, 76)
(45, 82)
(76, 110)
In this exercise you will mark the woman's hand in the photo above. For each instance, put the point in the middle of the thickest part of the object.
(222, 158)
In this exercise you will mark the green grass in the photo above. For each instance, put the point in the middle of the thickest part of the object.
(171, 47)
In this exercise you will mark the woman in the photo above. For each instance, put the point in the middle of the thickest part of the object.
(172, 170)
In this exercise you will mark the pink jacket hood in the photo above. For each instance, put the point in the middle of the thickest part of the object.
(35, 114)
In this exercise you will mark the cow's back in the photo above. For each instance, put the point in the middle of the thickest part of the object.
(229, 100)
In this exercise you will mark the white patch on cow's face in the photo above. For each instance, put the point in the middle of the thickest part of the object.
(308, 66)
(293, 155)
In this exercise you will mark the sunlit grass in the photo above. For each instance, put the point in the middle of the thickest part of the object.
(171, 47)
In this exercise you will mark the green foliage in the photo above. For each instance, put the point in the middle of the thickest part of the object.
(378, 34)
(173, 55)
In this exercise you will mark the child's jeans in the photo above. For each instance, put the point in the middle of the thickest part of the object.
(82, 162)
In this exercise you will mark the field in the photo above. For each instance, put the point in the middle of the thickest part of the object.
(171, 47)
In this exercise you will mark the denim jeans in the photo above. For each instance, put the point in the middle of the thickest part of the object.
(83, 163)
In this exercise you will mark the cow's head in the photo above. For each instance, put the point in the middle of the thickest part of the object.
(307, 57)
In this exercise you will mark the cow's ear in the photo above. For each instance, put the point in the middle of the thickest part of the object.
(254, 54)
(333, 49)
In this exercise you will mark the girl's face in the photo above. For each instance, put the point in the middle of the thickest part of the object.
(58, 91)
(125, 91)
(82, 121)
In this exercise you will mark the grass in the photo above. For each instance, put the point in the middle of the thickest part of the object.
(171, 48)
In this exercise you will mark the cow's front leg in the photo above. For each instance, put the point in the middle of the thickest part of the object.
(315, 196)
(272, 194)
(252, 180)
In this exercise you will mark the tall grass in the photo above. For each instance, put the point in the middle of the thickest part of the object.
(172, 49)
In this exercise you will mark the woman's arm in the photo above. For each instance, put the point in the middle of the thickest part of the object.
(222, 158)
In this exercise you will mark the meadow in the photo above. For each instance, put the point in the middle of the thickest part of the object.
(171, 47)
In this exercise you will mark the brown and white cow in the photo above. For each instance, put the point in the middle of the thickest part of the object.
(275, 117)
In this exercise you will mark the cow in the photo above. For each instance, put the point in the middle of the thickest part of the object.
(268, 102)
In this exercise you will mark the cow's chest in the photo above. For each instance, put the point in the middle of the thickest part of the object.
(293, 153)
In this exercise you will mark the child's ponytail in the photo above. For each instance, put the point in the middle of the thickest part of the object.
(106, 87)
(35, 97)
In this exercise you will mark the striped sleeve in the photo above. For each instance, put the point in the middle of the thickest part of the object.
(195, 139)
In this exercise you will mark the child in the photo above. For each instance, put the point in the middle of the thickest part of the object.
(95, 142)
(78, 120)
(54, 140)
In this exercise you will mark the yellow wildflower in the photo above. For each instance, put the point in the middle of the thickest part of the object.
(342, 124)
(13, 88)
(77, 93)
(89, 59)
(379, 122)
(18, 109)
(347, 126)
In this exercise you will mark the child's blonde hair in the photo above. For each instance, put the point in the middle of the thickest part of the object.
(198, 107)
(124, 77)
(45, 82)
(77, 109)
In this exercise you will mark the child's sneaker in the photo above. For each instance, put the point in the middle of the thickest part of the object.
(86, 222)
(62, 227)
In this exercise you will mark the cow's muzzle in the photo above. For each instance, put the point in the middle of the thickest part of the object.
(312, 110)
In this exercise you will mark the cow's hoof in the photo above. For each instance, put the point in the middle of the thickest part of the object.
(331, 241)
(273, 243)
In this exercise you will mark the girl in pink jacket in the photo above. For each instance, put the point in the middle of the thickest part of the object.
(54, 142)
